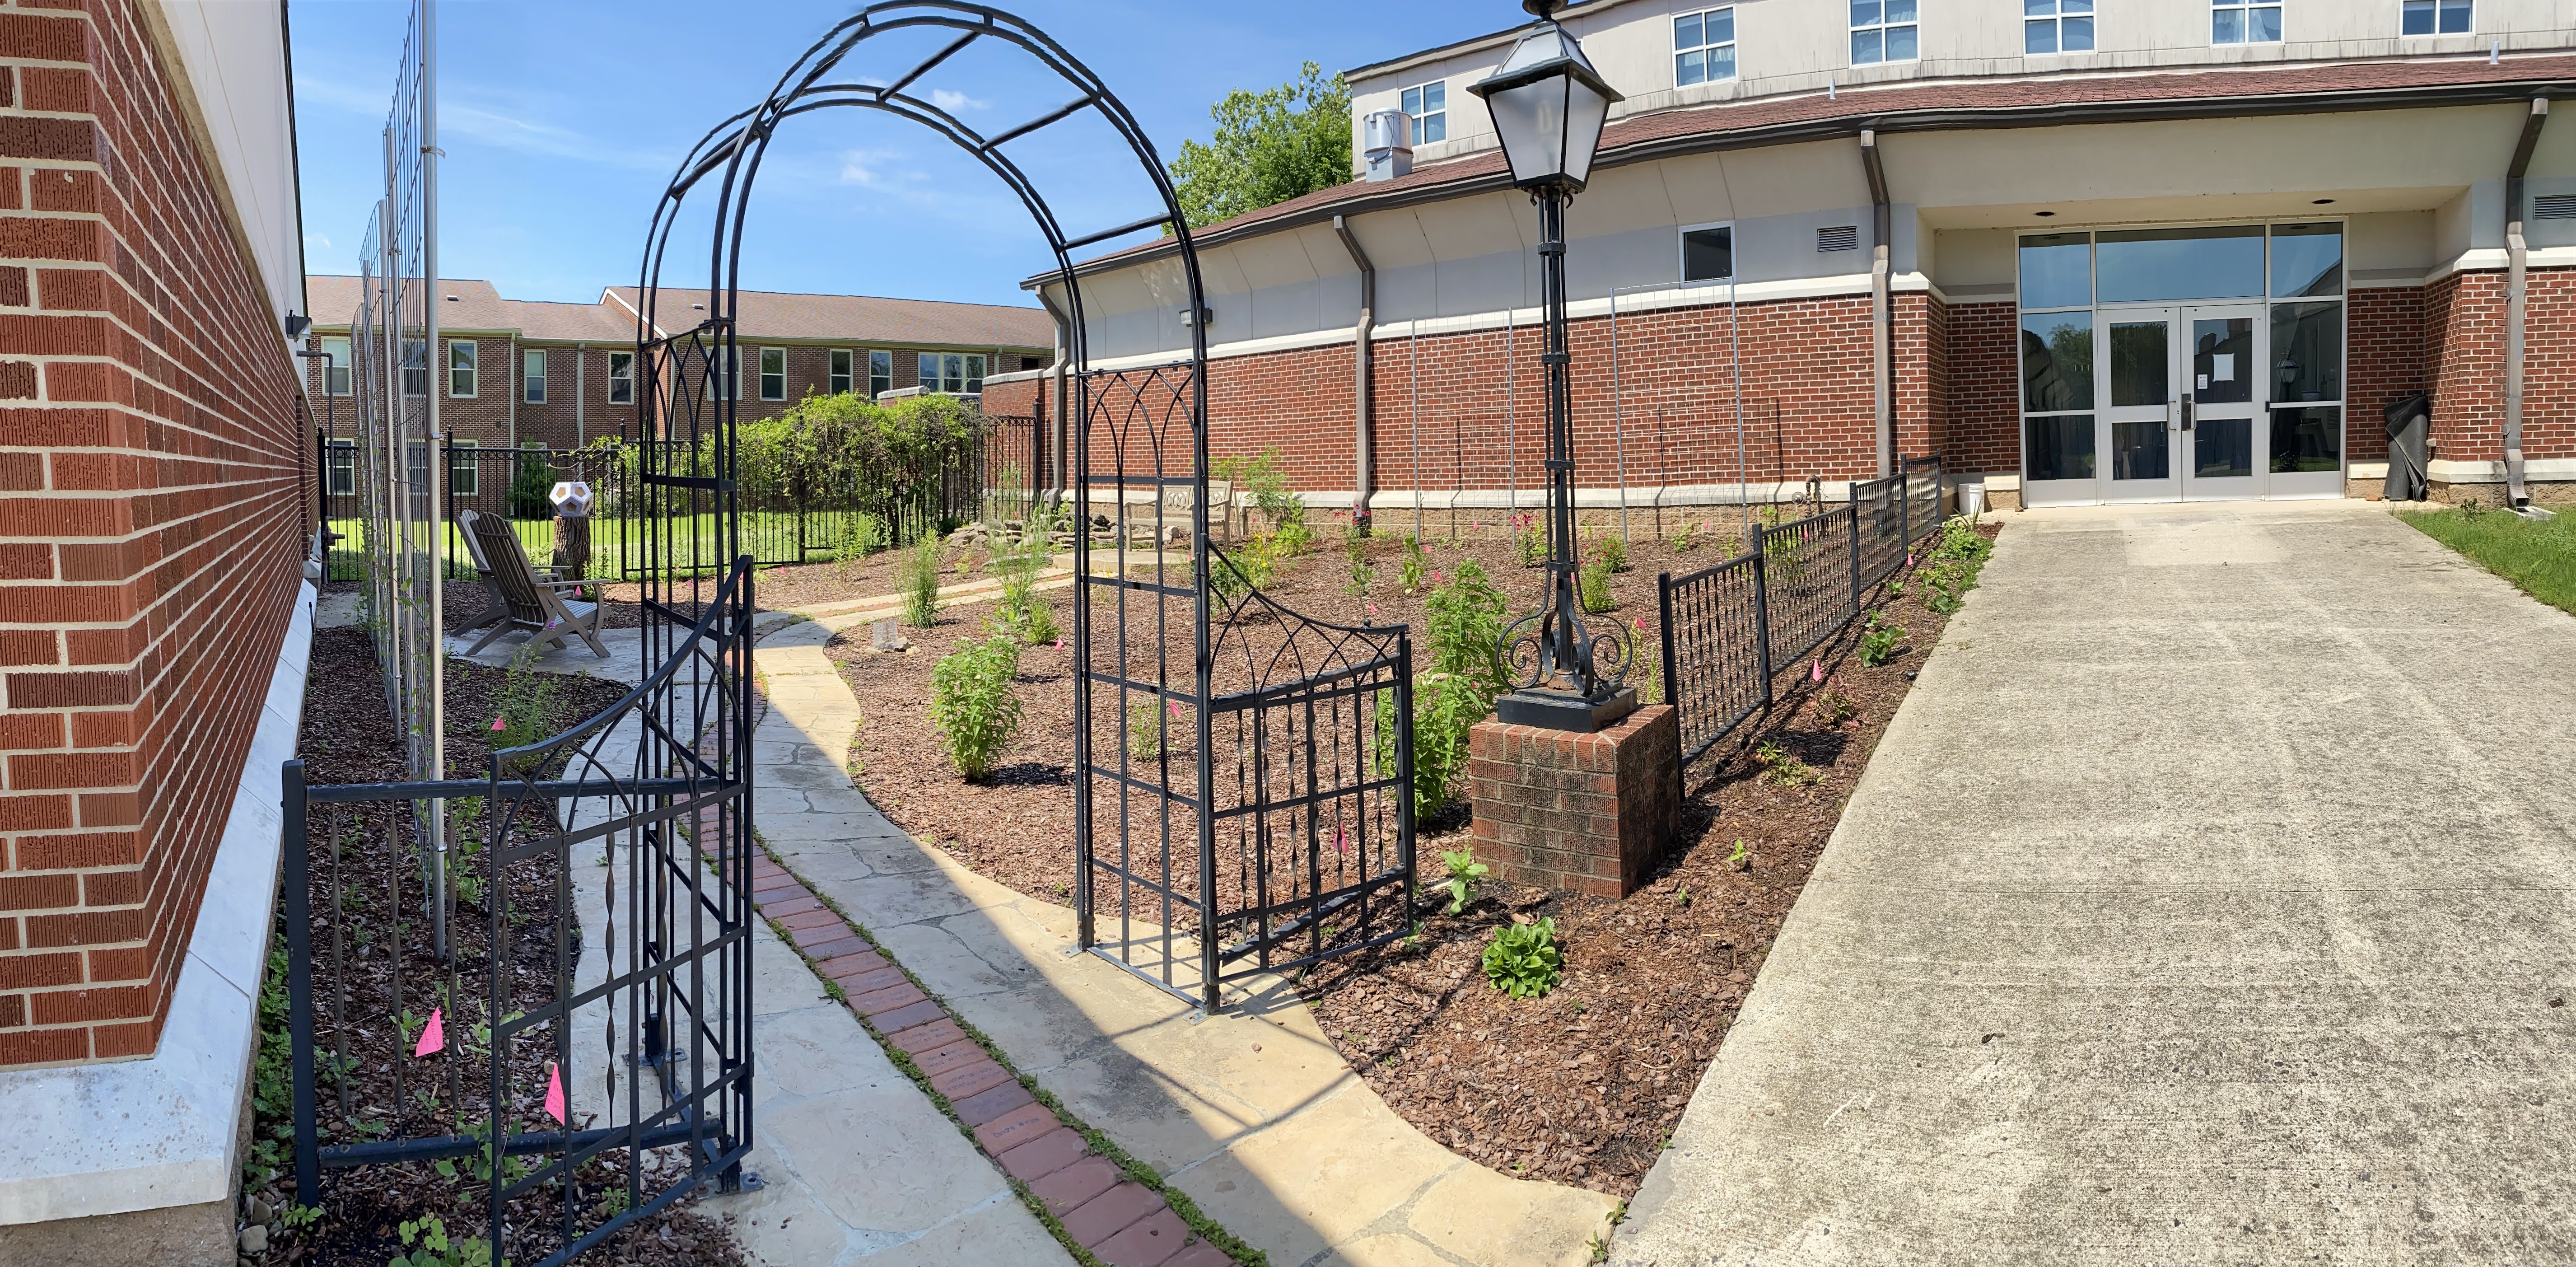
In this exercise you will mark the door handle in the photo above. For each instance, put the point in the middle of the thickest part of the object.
(2190, 411)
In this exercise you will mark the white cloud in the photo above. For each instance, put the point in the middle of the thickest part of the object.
(883, 172)
(323, 240)
(468, 114)
(954, 101)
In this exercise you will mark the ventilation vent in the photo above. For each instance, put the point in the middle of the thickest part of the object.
(1841, 237)
(2554, 207)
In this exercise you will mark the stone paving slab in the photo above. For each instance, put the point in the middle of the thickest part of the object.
(2206, 902)
(1251, 1111)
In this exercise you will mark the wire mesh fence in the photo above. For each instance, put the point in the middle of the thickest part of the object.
(1728, 629)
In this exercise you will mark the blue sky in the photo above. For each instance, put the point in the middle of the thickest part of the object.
(562, 121)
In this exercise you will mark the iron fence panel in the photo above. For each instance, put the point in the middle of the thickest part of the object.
(1807, 581)
(1879, 509)
(1924, 492)
(1716, 668)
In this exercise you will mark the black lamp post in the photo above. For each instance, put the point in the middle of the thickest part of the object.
(1548, 105)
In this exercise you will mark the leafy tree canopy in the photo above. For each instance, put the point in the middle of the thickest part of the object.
(1269, 147)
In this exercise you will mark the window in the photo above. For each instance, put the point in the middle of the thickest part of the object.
(880, 374)
(840, 370)
(335, 367)
(724, 374)
(1882, 31)
(461, 354)
(532, 375)
(927, 372)
(2245, 22)
(773, 373)
(2437, 17)
(1429, 106)
(416, 372)
(1704, 47)
(974, 374)
(2057, 26)
(621, 378)
(1032, 363)
(464, 474)
(1708, 253)
(956, 373)
(344, 468)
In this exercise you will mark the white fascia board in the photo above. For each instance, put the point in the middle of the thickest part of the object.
(156, 1133)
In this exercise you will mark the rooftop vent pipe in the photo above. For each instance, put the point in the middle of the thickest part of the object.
(2516, 308)
(1387, 142)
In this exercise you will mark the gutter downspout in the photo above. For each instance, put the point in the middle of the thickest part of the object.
(1363, 381)
(1055, 427)
(580, 388)
(2516, 310)
(1882, 318)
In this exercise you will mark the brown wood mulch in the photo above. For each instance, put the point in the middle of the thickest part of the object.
(1582, 1086)
(348, 737)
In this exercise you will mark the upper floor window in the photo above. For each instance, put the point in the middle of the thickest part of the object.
(2245, 22)
(880, 374)
(461, 357)
(1704, 47)
(840, 370)
(2438, 17)
(415, 373)
(1429, 106)
(2057, 26)
(1708, 252)
(773, 373)
(1882, 31)
(621, 378)
(532, 376)
(335, 367)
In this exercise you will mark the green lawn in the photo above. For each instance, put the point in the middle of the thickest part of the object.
(2538, 556)
(767, 535)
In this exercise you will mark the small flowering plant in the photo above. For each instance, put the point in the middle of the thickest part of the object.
(1529, 542)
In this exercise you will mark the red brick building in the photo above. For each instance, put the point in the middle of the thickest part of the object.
(2143, 255)
(153, 618)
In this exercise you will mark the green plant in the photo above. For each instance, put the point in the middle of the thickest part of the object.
(1265, 476)
(426, 1237)
(526, 707)
(1445, 708)
(1267, 147)
(972, 704)
(1021, 613)
(918, 582)
(2537, 555)
(1833, 707)
(862, 534)
(1782, 768)
(1592, 586)
(298, 1217)
(532, 483)
(1466, 875)
(1522, 960)
(1529, 540)
(1952, 570)
(1742, 858)
(1363, 573)
(1234, 573)
(1613, 550)
(1409, 572)
(1147, 719)
(1878, 641)
(1686, 537)
(1464, 626)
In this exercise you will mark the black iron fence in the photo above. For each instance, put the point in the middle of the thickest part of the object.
(1728, 629)
(446, 1006)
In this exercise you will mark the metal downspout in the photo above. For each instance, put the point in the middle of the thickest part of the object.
(1055, 424)
(2516, 309)
(1882, 318)
(1363, 383)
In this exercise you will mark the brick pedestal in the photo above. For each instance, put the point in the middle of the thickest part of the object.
(1568, 811)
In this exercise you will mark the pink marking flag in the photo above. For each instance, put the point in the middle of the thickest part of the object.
(1817, 673)
(554, 1093)
(498, 725)
(433, 1036)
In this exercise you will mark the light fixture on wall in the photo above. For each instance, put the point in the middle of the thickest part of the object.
(1548, 106)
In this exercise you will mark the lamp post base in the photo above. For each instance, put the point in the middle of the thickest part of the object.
(1562, 710)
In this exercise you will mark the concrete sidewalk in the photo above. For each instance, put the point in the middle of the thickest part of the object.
(2208, 902)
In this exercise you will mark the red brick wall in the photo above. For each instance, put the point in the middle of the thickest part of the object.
(150, 505)
(1985, 388)
(569, 417)
(1922, 373)
(2549, 365)
(2463, 365)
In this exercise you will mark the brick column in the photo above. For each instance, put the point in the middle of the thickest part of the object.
(1590, 813)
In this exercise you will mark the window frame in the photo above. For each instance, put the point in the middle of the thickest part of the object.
(342, 463)
(761, 364)
(415, 369)
(1422, 134)
(1681, 254)
(715, 366)
(1704, 46)
(2244, 9)
(2056, 21)
(842, 371)
(472, 369)
(532, 387)
(475, 484)
(875, 356)
(2437, 32)
(337, 379)
(617, 380)
(1883, 26)
(978, 364)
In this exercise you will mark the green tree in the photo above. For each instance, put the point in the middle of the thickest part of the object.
(1269, 147)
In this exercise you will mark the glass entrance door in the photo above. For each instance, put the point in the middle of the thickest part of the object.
(2223, 401)
(2139, 404)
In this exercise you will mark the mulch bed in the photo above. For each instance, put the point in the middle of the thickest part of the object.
(1582, 1086)
(348, 737)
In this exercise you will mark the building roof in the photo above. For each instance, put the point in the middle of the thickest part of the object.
(471, 305)
(861, 318)
(1930, 105)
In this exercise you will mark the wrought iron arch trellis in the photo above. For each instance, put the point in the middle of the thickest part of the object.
(1305, 756)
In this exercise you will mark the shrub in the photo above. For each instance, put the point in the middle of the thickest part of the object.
(1022, 613)
(1782, 768)
(1233, 573)
(1522, 960)
(1464, 626)
(532, 483)
(1265, 476)
(1445, 708)
(1466, 875)
(862, 534)
(1529, 541)
(1612, 550)
(524, 712)
(918, 582)
(972, 704)
(1952, 570)
(1833, 707)
(1878, 641)
(1686, 537)
(1592, 586)
(1409, 573)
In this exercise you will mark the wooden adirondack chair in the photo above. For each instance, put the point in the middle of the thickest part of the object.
(535, 605)
(496, 605)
